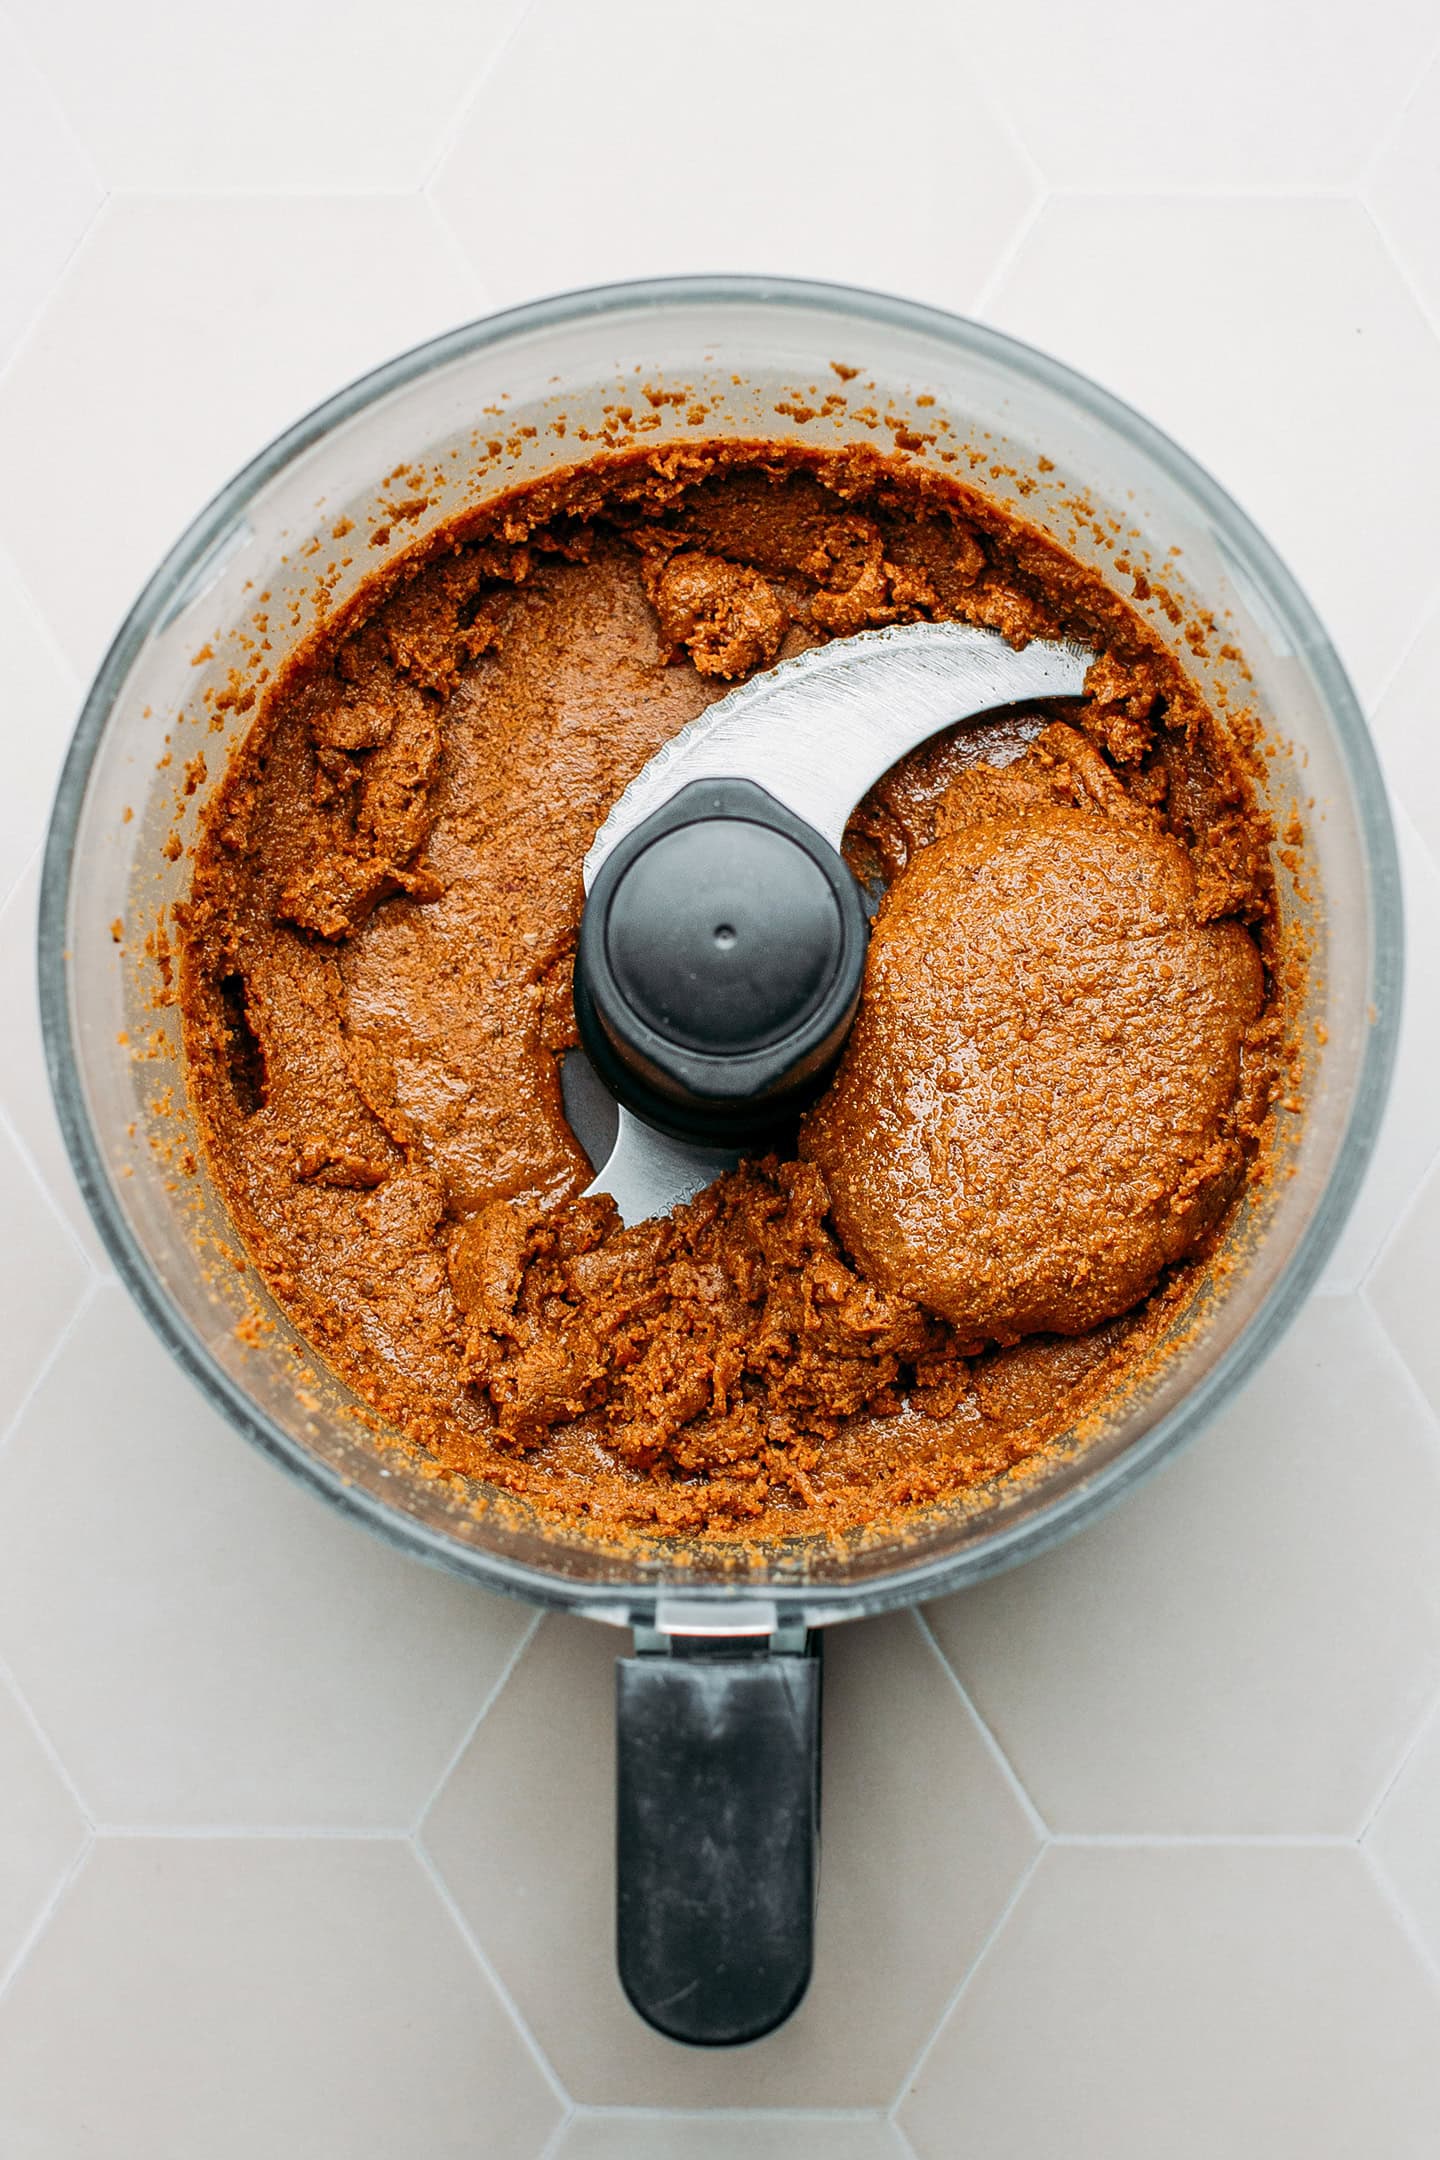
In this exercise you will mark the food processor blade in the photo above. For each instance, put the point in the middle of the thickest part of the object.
(815, 733)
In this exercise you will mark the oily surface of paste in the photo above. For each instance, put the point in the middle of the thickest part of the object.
(1040, 1105)
(1053, 1094)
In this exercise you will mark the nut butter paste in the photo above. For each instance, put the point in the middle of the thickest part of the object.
(1054, 1091)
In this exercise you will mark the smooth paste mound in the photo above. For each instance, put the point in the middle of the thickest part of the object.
(375, 983)
(1040, 1106)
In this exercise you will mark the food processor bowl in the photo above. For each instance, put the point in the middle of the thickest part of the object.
(661, 365)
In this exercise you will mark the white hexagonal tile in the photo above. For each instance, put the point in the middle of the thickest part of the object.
(25, 1098)
(1246, 1645)
(304, 2000)
(43, 168)
(42, 1831)
(1404, 1839)
(1407, 737)
(1409, 1135)
(922, 1839)
(1403, 189)
(1279, 342)
(806, 139)
(203, 1642)
(1127, 98)
(1259, 2003)
(1401, 1288)
(237, 315)
(625, 2134)
(1250, 1646)
(276, 97)
(42, 697)
(43, 1279)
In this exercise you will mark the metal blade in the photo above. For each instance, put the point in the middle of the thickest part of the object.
(647, 1173)
(817, 732)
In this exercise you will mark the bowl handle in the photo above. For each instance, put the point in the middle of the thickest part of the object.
(718, 1833)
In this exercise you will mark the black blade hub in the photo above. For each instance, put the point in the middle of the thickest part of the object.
(719, 965)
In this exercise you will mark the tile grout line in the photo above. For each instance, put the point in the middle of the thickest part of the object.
(1360, 1287)
(82, 152)
(1371, 705)
(1007, 1769)
(1205, 1840)
(242, 1833)
(900, 2134)
(309, 191)
(991, 284)
(1388, 1785)
(77, 141)
(477, 1951)
(84, 240)
(557, 2136)
(528, 1634)
(466, 106)
(11, 1973)
(953, 2000)
(638, 2111)
(481, 301)
(1401, 1914)
(1369, 166)
(47, 1746)
(1278, 191)
(86, 1299)
(1399, 265)
(1428, 1413)
(1401, 1364)
(1409, 1207)
(64, 665)
(993, 92)
(17, 1140)
(1411, 1200)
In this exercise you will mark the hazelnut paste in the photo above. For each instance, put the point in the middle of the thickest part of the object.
(1053, 1093)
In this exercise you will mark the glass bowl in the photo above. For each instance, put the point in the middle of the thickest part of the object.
(501, 401)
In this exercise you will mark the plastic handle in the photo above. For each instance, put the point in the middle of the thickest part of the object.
(718, 1838)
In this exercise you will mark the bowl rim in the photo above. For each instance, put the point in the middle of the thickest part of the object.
(1011, 1542)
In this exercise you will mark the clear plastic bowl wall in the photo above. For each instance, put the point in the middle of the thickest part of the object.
(306, 510)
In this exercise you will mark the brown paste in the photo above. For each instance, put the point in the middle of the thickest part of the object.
(1053, 1093)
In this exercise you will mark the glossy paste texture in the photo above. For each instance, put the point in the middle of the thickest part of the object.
(1053, 1094)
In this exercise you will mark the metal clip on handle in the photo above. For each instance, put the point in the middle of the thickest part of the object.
(718, 1831)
